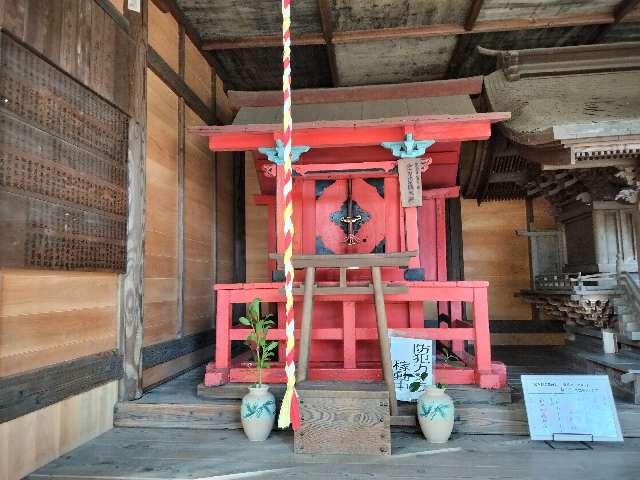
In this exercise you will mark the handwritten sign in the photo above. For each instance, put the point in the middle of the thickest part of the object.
(412, 363)
(410, 178)
(571, 408)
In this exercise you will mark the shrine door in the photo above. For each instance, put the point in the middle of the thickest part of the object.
(351, 208)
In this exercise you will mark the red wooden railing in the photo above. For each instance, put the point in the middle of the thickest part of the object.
(478, 369)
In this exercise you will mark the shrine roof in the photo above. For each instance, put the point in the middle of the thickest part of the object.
(359, 110)
(558, 107)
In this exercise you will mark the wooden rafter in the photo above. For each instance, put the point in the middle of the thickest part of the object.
(413, 32)
(623, 9)
(472, 14)
(327, 33)
(463, 41)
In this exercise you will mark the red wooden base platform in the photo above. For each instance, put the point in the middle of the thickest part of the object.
(349, 334)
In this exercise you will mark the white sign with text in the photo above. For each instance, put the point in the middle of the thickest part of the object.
(412, 364)
(571, 408)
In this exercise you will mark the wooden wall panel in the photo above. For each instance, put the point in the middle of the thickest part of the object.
(35, 439)
(163, 35)
(77, 35)
(543, 218)
(493, 252)
(161, 241)
(197, 73)
(224, 224)
(198, 183)
(48, 317)
(256, 223)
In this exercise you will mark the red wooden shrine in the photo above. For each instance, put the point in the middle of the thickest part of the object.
(347, 173)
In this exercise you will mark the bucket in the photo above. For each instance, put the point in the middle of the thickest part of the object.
(609, 341)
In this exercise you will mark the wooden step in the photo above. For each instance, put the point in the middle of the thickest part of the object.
(461, 394)
(470, 419)
(213, 415)
(509, 419)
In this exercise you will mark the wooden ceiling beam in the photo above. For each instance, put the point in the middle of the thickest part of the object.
(413, 32)
(327, 33)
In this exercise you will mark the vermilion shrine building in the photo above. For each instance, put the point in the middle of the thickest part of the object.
(349, 146)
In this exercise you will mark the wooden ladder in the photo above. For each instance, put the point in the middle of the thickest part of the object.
(378, 289)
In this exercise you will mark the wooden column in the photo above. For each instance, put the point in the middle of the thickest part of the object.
(306, 324)
(132, 282)
(180, 203)
(349, 342)
(239, 237)
(383, 338)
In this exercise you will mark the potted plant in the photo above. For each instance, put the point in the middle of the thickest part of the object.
(435, 408)
(258, 408)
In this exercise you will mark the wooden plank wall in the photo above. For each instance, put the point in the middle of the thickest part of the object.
(161, 229)
(35, 439)
(256, 223)
(493, 252)
(47, 317)
(225, 218)
(198, 232)
(179, 238)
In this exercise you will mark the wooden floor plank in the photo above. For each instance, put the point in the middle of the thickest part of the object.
(135, 453)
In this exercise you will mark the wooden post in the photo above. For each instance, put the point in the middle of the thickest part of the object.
(349, 334)
(305, 326)
(481, 327)
(239, 237)
(383, 338)
(131, 306)
(223, 324)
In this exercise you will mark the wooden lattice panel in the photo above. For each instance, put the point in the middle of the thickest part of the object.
(63, 177)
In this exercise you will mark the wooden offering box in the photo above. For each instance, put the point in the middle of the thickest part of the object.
(343, 418)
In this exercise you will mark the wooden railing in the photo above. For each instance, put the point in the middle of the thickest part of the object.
(479, 369)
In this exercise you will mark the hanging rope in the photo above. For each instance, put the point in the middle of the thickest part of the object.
(289, 413)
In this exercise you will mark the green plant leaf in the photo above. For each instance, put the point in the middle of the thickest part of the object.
(245, 321)
(414, 386)
(254, 308)
(270, 346)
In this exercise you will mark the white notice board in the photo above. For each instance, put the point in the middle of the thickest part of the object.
(571, 408)
(411, 359)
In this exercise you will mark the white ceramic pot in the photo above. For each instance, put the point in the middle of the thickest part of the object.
(435, 414)
(258, 413)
